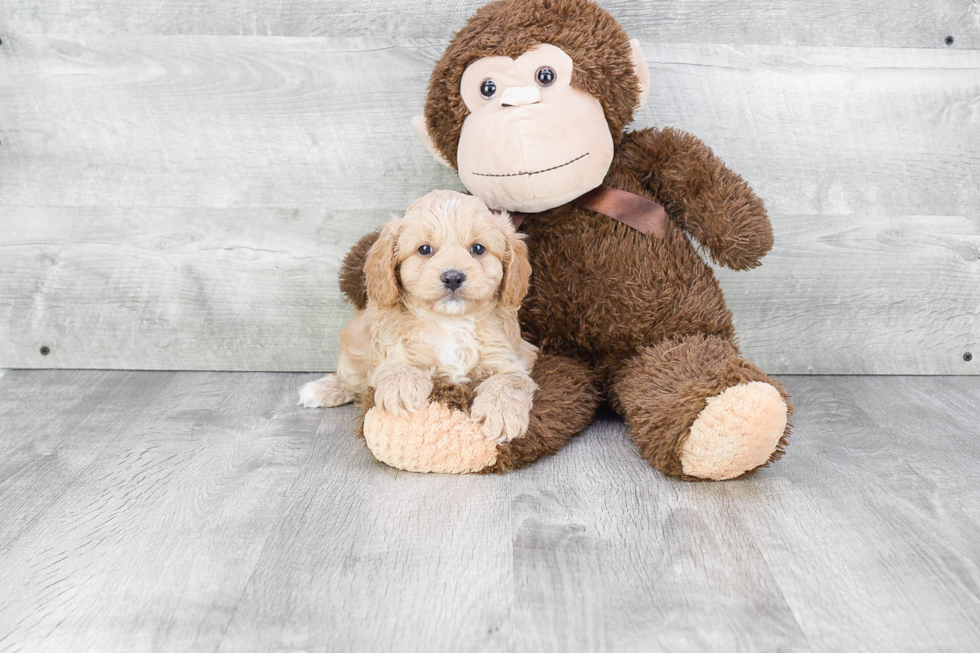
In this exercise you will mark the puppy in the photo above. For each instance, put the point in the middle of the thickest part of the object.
(444, 283)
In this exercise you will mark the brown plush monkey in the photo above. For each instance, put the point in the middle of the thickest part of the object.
(529, 104)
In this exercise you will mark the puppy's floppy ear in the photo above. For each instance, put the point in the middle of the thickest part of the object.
(379, 267)
(517, 268)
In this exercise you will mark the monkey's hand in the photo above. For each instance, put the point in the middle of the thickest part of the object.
(352, 271)
(709, 201)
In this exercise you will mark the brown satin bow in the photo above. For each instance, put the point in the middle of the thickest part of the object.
(637, 212)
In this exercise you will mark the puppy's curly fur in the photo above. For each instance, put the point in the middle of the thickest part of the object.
(443, 285)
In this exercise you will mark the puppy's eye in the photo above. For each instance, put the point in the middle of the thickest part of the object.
(426, 250)
(488, 88)
(546, 75)
(477, 249)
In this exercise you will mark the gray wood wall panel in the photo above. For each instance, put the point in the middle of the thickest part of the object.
(105, 288)
(213, 121)
(846, 294)
(897, 23)
(175, 288)
(173, 201)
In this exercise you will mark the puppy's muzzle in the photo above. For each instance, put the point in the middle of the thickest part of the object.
(452, 279)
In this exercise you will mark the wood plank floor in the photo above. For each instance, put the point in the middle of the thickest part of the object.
(206, 512)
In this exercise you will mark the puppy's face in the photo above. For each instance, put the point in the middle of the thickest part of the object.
(451, 255)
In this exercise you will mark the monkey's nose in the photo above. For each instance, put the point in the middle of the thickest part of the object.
(452, 279)
(516, 96)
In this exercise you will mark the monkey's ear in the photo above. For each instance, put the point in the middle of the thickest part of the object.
(419, 123)
(642, 72)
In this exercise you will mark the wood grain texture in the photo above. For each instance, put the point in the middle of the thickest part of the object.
(183, 201)
(167, 289)
(288, 122)
(895, 23)
(187, 512)
(868, 294)
(134, 502)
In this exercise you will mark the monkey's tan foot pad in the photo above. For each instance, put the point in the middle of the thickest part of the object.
(737, 431)
(435, 439)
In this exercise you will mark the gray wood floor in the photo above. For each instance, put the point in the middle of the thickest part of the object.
(204, 511)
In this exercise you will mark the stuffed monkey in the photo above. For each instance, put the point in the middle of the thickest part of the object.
(529, 104)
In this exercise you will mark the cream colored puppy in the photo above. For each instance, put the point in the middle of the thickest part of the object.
(444, 283)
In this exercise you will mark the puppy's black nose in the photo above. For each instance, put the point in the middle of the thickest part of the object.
(452, 279)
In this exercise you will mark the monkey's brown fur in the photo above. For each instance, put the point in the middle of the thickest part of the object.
(616, 313)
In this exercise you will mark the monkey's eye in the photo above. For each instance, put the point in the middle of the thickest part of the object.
(477, 249)
(488, 88)
(546, 75)
(426, 250)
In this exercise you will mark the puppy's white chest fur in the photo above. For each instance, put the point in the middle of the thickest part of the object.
(455, 346)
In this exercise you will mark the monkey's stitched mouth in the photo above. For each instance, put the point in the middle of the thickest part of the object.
(535, 172)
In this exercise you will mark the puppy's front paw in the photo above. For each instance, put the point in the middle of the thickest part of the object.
(325, 392)
(503, 416)
(403, 391)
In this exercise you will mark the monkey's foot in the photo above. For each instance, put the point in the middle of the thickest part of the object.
(737, 431)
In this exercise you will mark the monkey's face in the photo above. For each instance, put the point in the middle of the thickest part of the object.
(531, 141)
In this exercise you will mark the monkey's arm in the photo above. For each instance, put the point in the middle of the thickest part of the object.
(709, 201)
(352, 271)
